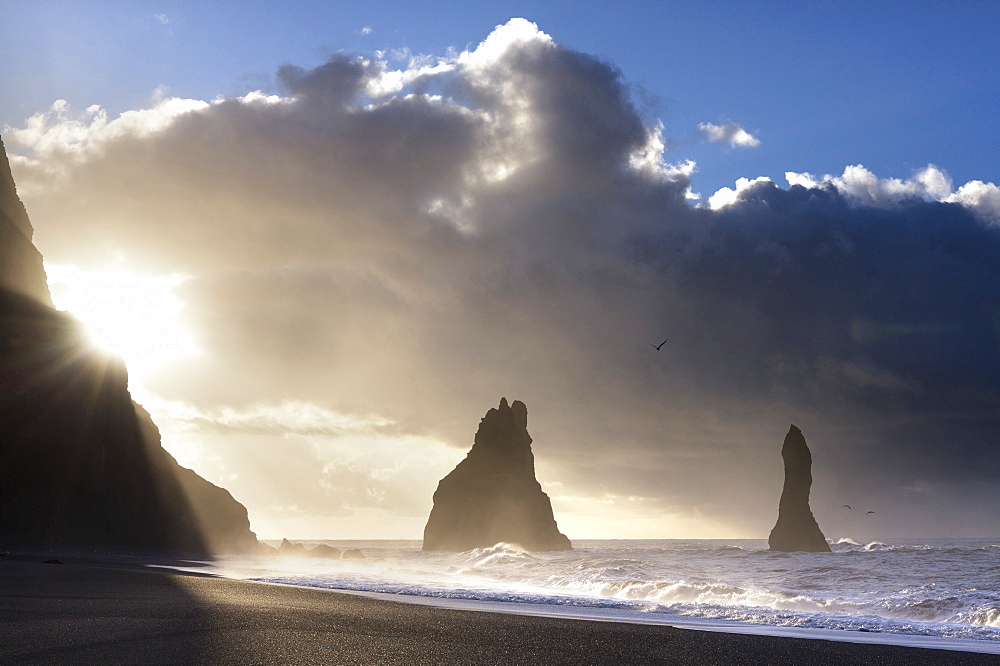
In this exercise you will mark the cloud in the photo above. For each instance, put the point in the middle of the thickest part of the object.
(865, 188)
(401, 241)
(928, 184)
(288, 417)
(982, 198)
(305, 468)
(56, 140)
(367, 30)
(726, 196)
(162, 19)
(730, 133)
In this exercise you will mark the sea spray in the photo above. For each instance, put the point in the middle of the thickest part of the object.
(898, 589)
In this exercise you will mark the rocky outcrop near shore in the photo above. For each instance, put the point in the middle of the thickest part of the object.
(492, 496)
(796, 529)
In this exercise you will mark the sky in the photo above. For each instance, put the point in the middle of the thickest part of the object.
(328, 237)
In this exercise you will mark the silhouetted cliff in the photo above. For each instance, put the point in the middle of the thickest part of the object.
(20, 263)
(81, 464)
(796, 529)
(492, 495)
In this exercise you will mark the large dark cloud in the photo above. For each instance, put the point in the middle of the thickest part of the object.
(877, 325)
(495, 226)
(907, 292)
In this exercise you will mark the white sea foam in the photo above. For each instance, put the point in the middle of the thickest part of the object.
(942, 589)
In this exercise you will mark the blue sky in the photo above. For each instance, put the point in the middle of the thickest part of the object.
(338, 277)
(890, 85)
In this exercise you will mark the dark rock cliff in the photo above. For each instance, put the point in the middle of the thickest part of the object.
(796, 529)
(20, 263)
(81, 464)
(492, 496)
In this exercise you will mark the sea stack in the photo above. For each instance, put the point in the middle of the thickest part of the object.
(796, 529)
(81, 465)
(492, 496)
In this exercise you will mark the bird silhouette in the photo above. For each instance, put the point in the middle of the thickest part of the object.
(657, 347)
(870, 513)
(846, 506)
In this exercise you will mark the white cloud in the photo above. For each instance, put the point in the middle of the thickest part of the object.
(983, 198)
(161, 18)
(865, 188)
(929, 184)
(730, 133)
(287, 417)
(367, 30)
(57, 138)
(649, 157)
(727, 196)
(391, 81)
(257, 97)
(516, 33)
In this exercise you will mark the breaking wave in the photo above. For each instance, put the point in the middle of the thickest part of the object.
(933, 588)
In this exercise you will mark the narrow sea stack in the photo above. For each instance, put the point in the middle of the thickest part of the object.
(81, 465)
(796, 529)
(492, 496)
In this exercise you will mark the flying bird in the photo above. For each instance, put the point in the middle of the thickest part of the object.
(657, 347)
(846, 506)
(870, 513)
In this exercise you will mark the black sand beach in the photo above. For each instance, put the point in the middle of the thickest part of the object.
(86, 611)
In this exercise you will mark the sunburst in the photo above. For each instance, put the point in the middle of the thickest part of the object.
(135, 316)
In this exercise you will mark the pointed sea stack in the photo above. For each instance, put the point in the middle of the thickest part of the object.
(81, 465)
(796, 529)
(492, 495)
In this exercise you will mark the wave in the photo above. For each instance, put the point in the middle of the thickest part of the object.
(847, 544)
(934, 588)
(927, 617)
(501, 554)
(716, 599)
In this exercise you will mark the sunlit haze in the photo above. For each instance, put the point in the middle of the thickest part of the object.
(133, 315)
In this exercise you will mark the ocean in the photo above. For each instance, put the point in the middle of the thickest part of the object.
(942, 593)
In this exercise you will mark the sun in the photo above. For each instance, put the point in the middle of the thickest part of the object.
(135, 316)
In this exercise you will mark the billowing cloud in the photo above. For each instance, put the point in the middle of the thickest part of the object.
(929, 184)
(726, 196)
(730, 133)
(979, 197)
(398, 243)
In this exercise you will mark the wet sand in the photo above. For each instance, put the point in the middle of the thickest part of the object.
(95, 611)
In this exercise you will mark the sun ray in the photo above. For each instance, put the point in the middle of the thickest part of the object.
(132, 315)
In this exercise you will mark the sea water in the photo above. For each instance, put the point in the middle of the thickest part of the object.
(931, 593)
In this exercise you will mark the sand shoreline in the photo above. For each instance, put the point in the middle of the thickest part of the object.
(96, 609)
(692, 624)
